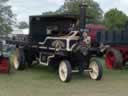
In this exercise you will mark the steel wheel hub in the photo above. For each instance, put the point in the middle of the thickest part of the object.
(63, 71)
(94, 70)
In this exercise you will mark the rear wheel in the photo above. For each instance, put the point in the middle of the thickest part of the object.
(18, 59)
(29, 59)
(65, 71)
(96, 69)
(4, 65)
(114, 59)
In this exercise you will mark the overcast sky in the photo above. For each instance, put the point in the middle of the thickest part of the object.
(25, 8)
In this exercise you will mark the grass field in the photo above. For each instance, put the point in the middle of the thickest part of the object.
(39, 81)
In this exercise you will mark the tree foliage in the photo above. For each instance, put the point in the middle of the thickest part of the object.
(23, 25)
(72, 7)
(115, 19)
(49, 13)
(6, 17)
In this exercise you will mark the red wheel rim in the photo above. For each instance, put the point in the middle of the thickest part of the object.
(4, 65)
(110, 60)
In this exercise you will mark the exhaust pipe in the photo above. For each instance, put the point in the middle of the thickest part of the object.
(83, 7)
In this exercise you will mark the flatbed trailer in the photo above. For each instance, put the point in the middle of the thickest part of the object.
(117, 52)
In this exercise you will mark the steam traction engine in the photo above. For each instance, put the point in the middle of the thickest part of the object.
(58, 42)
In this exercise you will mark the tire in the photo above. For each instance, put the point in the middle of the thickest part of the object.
(4, 65)
(65, 71)
(17, 59)
(29, 60)
(11, 68)
(114, 59)
(96, 72)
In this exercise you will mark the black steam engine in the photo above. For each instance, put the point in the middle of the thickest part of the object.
(60, 42)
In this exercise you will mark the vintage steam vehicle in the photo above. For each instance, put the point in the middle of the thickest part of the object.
(58, 41)
(117, 48)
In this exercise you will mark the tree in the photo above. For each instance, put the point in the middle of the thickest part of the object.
(6, 17)
(72, 7)
(49, 13)
(23, 25)
(115, 19)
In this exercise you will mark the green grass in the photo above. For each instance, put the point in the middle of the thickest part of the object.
(39, 81)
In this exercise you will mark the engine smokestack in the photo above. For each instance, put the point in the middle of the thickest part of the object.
(83, 7)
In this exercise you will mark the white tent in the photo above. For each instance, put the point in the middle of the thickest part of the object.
(21, 31)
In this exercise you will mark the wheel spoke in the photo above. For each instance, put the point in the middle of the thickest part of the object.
(64, 69)
(94, 72)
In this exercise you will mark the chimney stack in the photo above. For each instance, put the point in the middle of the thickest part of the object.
(83, 7)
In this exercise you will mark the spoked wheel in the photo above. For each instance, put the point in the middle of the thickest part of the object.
(17, 59)
(96, 69)
(110, 59)
(16, 62)
(4, 65)
(65, 71)
(114, 59)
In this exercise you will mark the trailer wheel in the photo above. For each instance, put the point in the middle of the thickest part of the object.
(18, 59)
(114, 59)
(96, 69)
(65, 71)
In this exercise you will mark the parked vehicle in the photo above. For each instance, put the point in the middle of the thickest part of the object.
(57, 41)
(4, 58)
(117, 50)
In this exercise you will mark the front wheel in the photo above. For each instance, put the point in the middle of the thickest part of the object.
(65, 71)
(96, 69)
